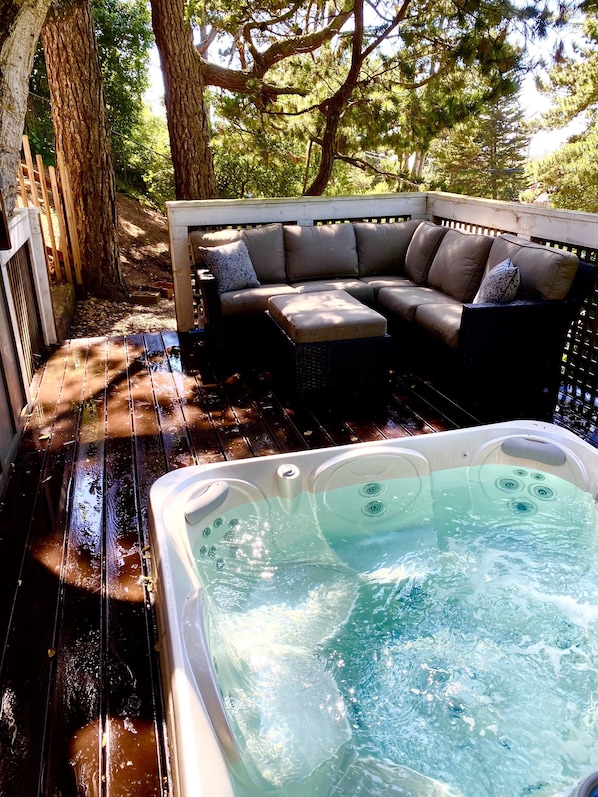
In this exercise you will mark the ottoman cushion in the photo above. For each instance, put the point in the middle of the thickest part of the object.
(325, 316)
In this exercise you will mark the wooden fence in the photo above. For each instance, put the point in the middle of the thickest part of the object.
(49, 190)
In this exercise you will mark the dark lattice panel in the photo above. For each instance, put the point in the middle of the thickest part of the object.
(578, 399)
(20, 276)
(371, 219)
(467, 226)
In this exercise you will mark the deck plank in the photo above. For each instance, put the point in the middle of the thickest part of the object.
(29, 477)
(28, 671)
(133, 762)
(202, 434)
(81, 708)
(75, 728)
(177, 445)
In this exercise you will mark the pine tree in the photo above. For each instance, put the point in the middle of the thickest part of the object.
(484, 156)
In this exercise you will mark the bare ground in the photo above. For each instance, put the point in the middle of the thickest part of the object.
(144, 257)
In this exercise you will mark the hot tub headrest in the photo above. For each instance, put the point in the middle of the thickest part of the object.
(543, 451)
(209, 499)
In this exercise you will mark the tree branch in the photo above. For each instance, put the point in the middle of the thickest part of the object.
(399, 17)
(243, 81)
(360, 163)
(297, 45)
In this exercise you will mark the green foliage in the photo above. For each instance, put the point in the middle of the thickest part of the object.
(573, 82)
(246, 167)
(38, 121)
(124, 36)
(569, 176)
(148, 174)
(484, 156)
(413, 83)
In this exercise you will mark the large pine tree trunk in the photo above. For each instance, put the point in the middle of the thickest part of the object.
(82, 135)
(185, 111)
(20, 24)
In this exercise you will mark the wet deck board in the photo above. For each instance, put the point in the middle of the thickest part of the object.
(81, 709)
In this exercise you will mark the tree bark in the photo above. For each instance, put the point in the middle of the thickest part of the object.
(336, 106)
(21, 26)
(186, 114)
(82, 135)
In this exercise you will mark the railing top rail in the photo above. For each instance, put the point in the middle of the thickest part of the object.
(299, 210)
(528, 221)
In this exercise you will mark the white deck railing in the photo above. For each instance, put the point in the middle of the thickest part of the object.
(15, 365)
(579, 230)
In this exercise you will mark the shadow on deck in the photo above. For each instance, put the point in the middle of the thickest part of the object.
(81, 702)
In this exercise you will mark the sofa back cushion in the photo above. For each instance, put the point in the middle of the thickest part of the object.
(231, 265)
(459, 264)
(421, 250)
(197, 239)
(381, 248)
(544, 272)
(265, 246)
(318, 252)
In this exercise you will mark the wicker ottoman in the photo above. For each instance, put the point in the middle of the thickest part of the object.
(329, 339)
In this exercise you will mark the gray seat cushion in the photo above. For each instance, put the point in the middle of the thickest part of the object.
(360, 290)
(443, 321)
(404, 301)
(544, 272)
(388, 281)
(251, 300)
(381, 248)
(325, 316)
(459, 263)
(320, 252)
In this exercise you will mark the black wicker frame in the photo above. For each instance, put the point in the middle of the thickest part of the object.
(330, 365)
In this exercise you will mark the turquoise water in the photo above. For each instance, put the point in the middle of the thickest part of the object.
(447, 649)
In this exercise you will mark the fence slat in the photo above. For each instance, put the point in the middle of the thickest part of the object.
(64, 243)
(31, 171)
(70, 216)
(46, 201)
(23, 187)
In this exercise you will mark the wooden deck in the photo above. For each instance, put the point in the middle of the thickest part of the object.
(81, 704)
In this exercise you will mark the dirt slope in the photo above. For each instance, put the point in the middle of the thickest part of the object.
(143, 243)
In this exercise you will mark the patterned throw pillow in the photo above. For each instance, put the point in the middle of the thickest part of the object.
(231, 265)
(499, 285)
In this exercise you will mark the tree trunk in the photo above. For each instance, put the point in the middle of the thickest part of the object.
(21, 25)
(185, 111)
(337, 105)
(82, 135)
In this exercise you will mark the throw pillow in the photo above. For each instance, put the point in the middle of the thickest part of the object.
(231, 265)
(499, 285)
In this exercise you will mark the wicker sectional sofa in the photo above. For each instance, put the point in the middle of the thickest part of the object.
(424, 279)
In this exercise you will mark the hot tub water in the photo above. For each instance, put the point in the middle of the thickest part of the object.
(368, 643)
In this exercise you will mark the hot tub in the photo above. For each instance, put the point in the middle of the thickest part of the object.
(414, 617)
